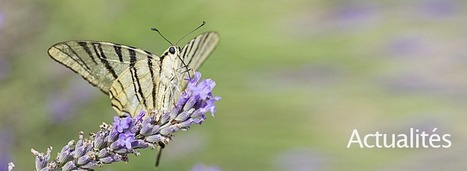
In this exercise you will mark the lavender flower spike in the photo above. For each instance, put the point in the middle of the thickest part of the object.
(113, 143)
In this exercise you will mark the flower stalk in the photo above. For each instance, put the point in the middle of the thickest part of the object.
(114, 143)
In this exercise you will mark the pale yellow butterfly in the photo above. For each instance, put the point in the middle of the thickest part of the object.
(135, 79)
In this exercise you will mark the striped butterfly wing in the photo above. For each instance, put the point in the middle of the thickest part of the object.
(197, 51)
(100, 63)
(150, 87)
(135, 89)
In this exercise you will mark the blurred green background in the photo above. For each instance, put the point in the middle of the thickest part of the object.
(295, 77)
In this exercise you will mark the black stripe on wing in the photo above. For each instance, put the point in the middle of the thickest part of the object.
(137, 86)
(100, 53)
(154, 87)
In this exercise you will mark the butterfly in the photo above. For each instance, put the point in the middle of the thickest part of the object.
(135, 79)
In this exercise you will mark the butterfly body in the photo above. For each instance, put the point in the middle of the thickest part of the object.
(135, 79)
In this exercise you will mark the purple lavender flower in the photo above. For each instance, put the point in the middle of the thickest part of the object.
(62, 104)
(2, 20)
(4, 65)
(121, 124)
(440, 8)
(114, 143)
(5, 146)
(202, 167)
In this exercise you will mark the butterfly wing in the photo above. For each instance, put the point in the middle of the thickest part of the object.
(135, 89)
(195, 52)
(100, 63)
(198, 49)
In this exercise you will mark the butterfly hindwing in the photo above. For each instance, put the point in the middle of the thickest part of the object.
(100, 63)
(135, 89)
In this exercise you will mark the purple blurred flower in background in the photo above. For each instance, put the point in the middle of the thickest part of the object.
(62, 104)
(353, 14)
(2, 20)
(301, 159)
(4, 66)
(202, 167)
(5, 145)
(440, 7)
(405, 46)
(60, 108)
(127, 134)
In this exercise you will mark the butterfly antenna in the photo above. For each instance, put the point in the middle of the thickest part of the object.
(185, 65)
(156, 30)
(202, 24)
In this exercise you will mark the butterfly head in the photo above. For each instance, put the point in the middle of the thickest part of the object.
(173, 50)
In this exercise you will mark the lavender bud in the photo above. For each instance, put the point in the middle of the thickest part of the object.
(139, 144)
(198, 120)
(198, 114)
(64, 157)
(99, 140)
(69, 166)
(165, 117)
(88, 147)
(103, 153)
(117, 157)
(68, 146)
(146, 128)
(182, 116)
(167, 130)
(113, 136)
(79, 151)
(191, 102)
(116, 146)
(83, 160)
(185, 124)
(155, 129)
(80, 141)
(41, 159)
(88, 166)
(153, 138)
(40, 163)
(107, 160)
(122, 151)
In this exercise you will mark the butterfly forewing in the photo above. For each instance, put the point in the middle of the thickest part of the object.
(198, 49)
(100, 63)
